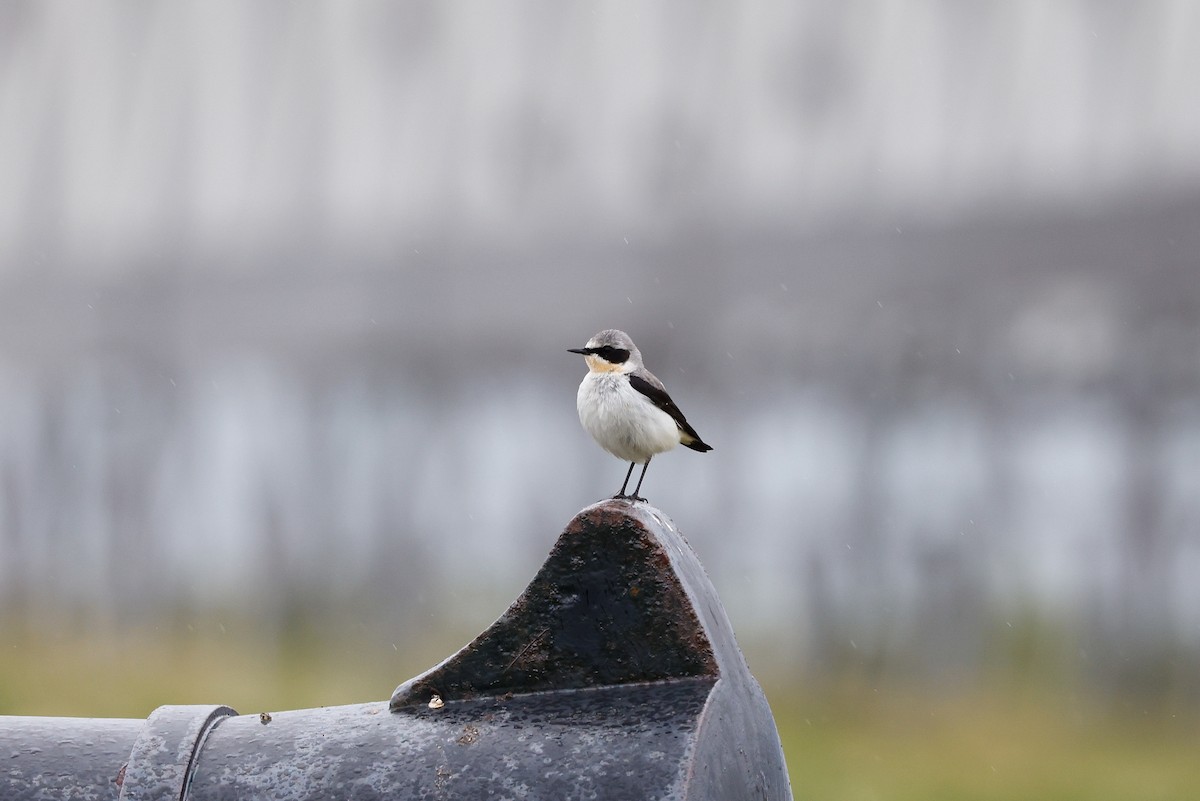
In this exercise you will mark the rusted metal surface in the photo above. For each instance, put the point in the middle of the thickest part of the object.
(615, 602)
(615, 675)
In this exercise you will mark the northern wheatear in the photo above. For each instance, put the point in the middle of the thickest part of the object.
(626, 409)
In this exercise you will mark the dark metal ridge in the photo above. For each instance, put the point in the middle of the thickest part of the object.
(621, 599)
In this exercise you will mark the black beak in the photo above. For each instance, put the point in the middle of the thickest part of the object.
(583, 351)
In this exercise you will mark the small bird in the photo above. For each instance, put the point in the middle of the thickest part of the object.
(626, 408)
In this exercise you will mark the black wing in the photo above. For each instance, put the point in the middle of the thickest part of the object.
(659, 397)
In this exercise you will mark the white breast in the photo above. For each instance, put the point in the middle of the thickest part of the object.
(622, 420)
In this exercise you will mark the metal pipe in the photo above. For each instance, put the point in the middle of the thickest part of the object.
(615, 675)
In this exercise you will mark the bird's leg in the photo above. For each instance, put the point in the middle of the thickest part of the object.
(622, 494)
(638, 488)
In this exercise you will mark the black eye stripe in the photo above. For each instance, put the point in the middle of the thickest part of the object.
(611, 354)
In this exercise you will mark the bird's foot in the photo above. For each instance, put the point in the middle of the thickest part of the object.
(630, 498)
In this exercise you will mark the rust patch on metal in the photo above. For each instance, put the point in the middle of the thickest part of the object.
(608, 607)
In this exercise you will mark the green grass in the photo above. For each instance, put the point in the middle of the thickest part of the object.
(129, 674)
(854, 740)
(990, 743)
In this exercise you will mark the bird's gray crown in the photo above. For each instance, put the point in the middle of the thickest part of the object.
(611, 338)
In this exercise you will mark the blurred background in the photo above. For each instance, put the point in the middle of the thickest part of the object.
(286, 413)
